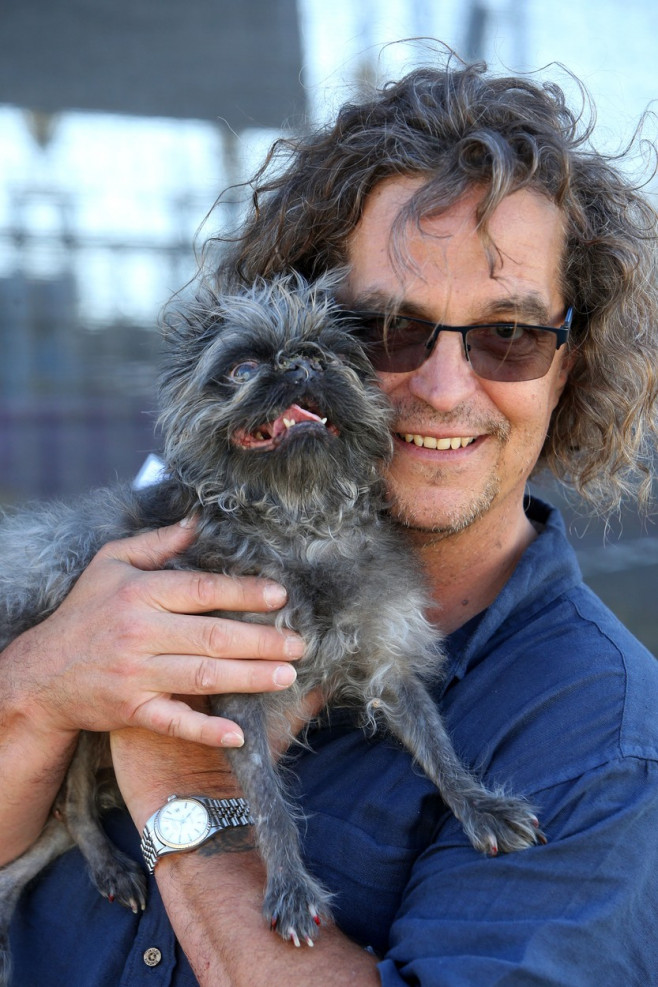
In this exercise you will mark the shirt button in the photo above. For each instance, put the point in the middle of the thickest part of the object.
(152, 956)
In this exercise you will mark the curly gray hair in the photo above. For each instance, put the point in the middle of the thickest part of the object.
(456, 127)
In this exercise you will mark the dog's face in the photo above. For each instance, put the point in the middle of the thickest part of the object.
(270, 395)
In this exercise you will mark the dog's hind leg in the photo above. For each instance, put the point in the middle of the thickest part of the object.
(492, 820)
(54, 840)
(294, 901)
(116, 875)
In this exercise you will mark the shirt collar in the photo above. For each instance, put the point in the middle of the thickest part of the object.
(546, 569)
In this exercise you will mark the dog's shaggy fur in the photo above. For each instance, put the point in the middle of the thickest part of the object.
(275, 435)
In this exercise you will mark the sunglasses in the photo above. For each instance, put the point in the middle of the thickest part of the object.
(502, 351)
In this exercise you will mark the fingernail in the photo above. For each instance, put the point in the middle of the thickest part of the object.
(187, 522)
(232, 740)
(274, 595)
(294, 646)
(284, 675)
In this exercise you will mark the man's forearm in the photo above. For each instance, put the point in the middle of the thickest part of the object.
(214, 897)
(33, 762)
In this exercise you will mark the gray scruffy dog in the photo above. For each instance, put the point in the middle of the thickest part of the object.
(275, 435)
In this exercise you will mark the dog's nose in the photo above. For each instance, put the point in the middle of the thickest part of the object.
(300, 369)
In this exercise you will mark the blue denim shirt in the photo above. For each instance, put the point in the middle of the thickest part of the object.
(545, 692)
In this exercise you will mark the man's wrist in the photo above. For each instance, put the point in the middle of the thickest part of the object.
(186, 822)
(23, 693)
(142, 805)
(150, 767)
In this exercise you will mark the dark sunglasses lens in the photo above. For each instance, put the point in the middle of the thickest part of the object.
(394, 346)
(503, 352)
(510, 353)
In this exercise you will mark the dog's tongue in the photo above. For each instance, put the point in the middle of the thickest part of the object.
(292, 416)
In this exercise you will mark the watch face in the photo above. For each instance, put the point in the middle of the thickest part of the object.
(182, 823)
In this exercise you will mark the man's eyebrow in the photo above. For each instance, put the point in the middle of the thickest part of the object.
(529, 308)
(523, 308)
(380, 301)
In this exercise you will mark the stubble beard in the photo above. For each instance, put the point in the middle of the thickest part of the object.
(453, 522)
(458, 519)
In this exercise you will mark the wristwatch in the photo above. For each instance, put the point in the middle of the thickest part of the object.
(184, 823)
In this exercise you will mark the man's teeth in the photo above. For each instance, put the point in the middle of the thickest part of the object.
(430, 442)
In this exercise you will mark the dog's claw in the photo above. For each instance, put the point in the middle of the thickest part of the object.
(294, 938)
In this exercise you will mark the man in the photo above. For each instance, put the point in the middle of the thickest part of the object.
(454, 201)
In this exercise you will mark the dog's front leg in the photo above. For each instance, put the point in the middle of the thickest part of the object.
(294, 901)
(492, 820)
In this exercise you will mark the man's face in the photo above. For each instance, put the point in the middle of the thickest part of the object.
(447, 279)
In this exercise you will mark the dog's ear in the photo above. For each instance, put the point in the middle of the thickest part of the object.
(189, 323)
(188, 329)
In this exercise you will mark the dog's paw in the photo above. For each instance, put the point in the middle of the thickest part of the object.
(118, 878)
(501, 824)
(295, 909)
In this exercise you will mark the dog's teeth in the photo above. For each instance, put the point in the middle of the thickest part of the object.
(288, 422)
(324, 421)
(259, 435)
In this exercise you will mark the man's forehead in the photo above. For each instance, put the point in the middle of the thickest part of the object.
(406, 203)
(521, 249)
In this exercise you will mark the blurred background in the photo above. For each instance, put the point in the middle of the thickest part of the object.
(121, 121)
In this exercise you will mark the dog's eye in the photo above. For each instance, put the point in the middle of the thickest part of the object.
(243, 371)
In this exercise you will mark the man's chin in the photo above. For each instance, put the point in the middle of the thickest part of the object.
(439, 519)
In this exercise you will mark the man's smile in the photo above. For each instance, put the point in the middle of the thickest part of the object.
(442, 443)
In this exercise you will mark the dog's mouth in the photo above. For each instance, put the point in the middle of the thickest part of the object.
(270, 435)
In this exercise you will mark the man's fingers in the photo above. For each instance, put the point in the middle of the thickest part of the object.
(189, 675)
(152, 549)
(174, 718)
(219, 637)
(190, 591)
(183, 591)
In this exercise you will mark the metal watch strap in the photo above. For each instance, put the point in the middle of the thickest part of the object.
(149, 851)
(228, 812)
(224, 813)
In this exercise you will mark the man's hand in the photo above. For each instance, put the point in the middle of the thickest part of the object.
(131, 635)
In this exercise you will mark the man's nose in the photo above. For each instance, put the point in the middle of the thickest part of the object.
(446, 378)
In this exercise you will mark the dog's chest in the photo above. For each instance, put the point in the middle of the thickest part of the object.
(322, 567)
(323, 576)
